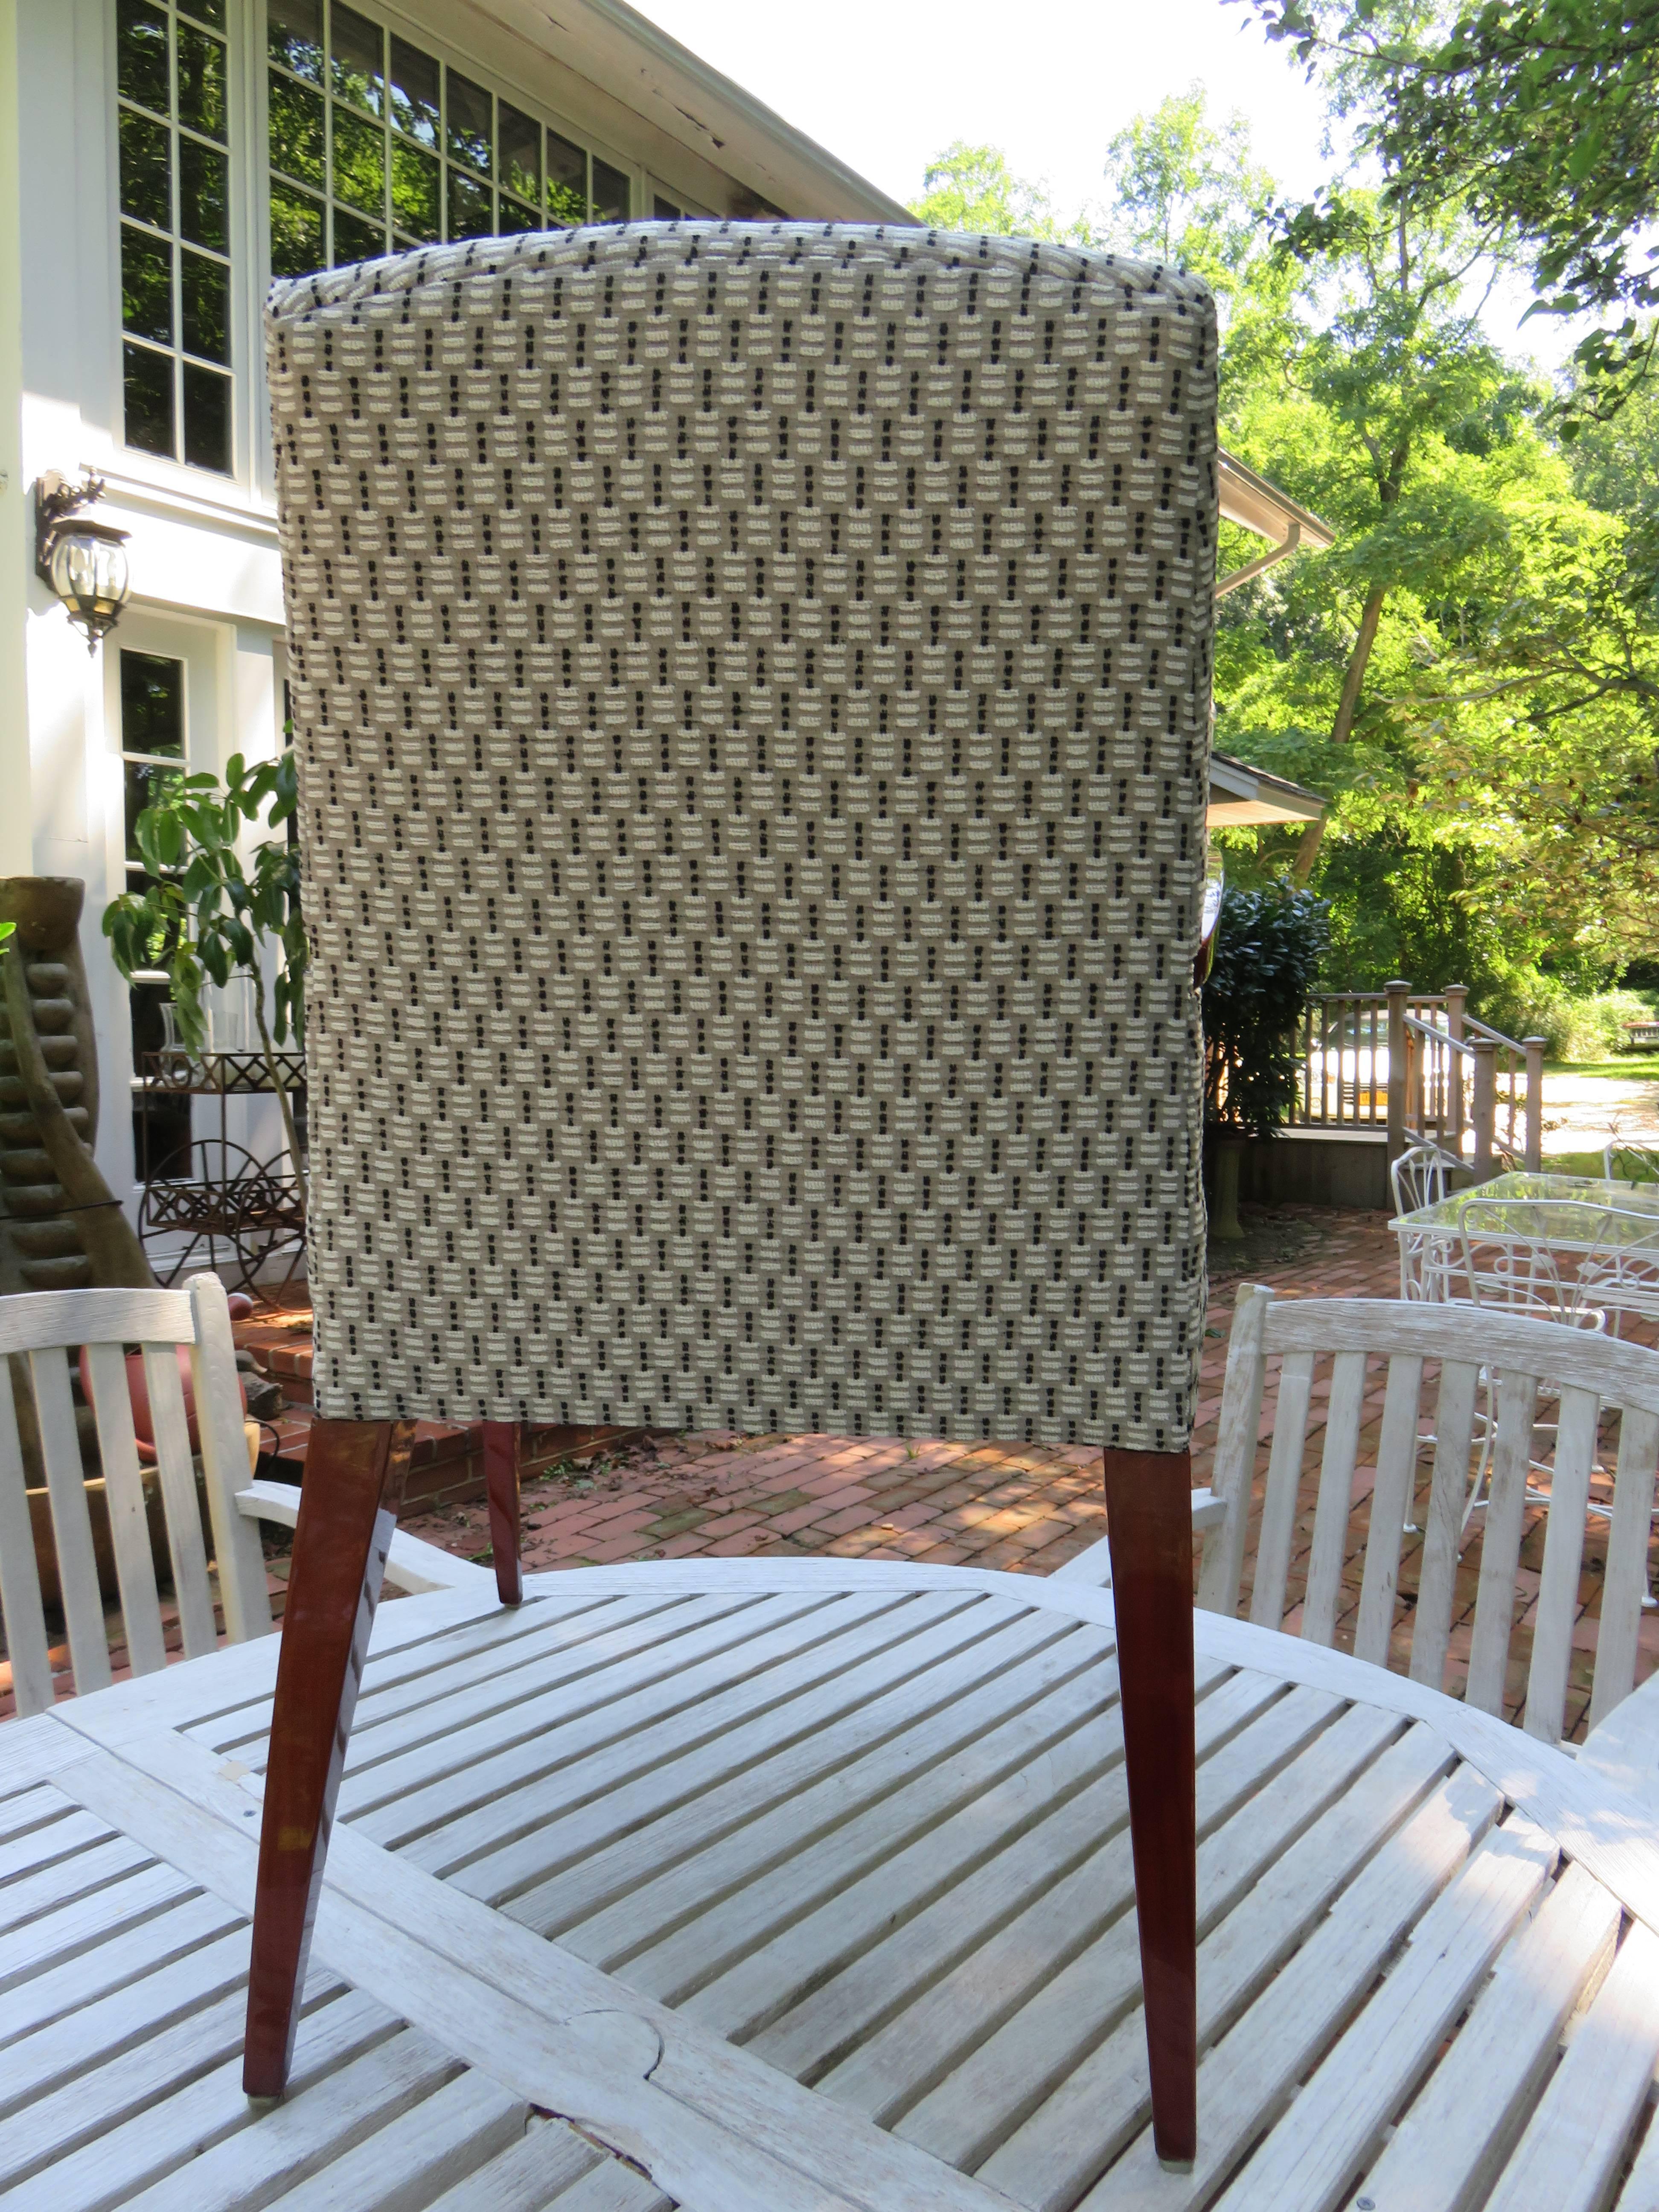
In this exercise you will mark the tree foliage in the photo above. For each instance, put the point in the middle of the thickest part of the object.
(210, 907)
(1267, 954)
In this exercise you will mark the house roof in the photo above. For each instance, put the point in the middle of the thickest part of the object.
(1240, 794)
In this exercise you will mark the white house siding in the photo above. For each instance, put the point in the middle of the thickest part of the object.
(206, 579)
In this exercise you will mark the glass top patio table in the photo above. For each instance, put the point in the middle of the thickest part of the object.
(1578, 1218)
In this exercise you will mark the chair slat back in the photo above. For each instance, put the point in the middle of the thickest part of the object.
(1483, 1357)
(44, 1332)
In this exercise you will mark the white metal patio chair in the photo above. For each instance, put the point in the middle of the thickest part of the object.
(47, 1329)
(1622, 1161)
(1596, 1378)
(1420, 1177)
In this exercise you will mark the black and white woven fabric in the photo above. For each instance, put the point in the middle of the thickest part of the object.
(751, 690)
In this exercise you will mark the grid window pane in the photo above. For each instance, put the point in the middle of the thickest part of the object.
(357, 57)
(145, 285)
(470, 214)
(205, 292)
(299, 138)
(519, 141)
(141, 55)
(359, 162)
(417, 192)
(147, 399)
(610, 193)
(207, 418)
(294, 36)
(171, 131)
(355, 240)
(297, 243)
(146, 187)
(468, 115)
(203, 194)
(566, 182)
(202, 81)
(413, 92)
(152, 704)
(456, 162)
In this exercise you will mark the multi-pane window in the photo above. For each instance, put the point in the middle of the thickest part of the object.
(376, 145)
(153, 757)
(174, 137)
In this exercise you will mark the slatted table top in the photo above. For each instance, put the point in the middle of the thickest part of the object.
(764, 1885)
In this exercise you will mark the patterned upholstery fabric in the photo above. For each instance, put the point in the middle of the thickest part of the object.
(751, 687)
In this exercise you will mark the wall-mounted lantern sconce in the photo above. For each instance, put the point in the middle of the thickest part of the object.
(81, 559)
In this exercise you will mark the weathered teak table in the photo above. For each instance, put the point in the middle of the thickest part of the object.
(764, 1885)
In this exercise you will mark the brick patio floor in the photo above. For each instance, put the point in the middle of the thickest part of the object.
(1027, 1509)
(1022, 1507)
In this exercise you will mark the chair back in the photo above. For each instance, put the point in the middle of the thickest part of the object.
(1527, 1255)
(1421, 1176)
(751, 688)
(1620, 1274)
(42, 1333)
(1379, 1359)
(1628, 1162)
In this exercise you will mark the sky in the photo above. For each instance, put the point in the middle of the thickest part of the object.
(888, 84)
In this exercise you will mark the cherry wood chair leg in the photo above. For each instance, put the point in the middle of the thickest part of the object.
(502, 1443)
(353, 1487)
(1149, 1525)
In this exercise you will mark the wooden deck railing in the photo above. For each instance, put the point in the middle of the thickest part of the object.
(1418, 1064)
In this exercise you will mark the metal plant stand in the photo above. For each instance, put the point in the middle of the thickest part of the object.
(210, 1203)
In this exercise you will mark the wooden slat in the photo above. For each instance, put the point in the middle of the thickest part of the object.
(176, 1473)
(1641, 2191)
(45, 1843)
(85, 2111)
(1335, 1500)
(1500, 1542)
(1339, 2112)
(1246, 2077)
(443, 2138)
(411, 1563)
(1443, 1526)
(1445, 2154)
(1622, 1374)
(156, 2146)
(710, 2124)
(91, 1975)
(1624, 1585)
(681, 1796)
(71, 1525)
(1557, 1611)
(99, 2030)
(1273, 1551)
(72, 1930)
(1234, 1469)
(758, 1933)
(124, 1500)
(34, 1894)
(582, 1694)
(24, 1618)
(1391, 1502)
(35, 1807)
(915, 1777)
(539, 2170)
(1569, 2157)
(496, 1644)
(31, 1320)
(842, 2012)
(237, 1551)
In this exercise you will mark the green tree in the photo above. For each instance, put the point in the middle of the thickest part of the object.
(972, 188)
(211, 908)
(1187, 191)
(1540, 115)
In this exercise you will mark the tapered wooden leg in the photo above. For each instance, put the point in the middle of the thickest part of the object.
(501, 1443)
(1149, 1524)
(353, 1487)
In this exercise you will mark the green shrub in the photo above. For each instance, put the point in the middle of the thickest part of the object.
(1266, 964)
(1572, 1027)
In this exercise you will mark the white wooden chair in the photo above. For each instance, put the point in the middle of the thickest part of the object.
(47, 1328)
(1595, 1377)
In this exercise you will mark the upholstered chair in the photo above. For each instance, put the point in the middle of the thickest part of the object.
(751, 692)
